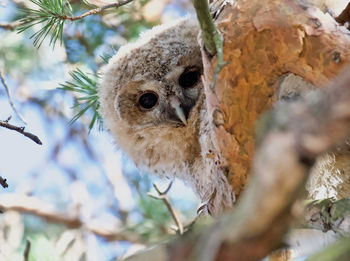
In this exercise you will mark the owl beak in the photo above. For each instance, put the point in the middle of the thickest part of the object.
(176, 105)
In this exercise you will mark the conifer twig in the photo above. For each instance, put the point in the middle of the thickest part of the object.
(53, 14)
(97, 10)
(85, 86)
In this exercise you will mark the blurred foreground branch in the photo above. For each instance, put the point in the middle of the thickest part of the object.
(33, 206)
(295, 135)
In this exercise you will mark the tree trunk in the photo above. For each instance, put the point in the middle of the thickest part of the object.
(263, 41)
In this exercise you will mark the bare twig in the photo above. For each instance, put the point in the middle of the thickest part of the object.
(162, 196)
(31, 136)
(3, 182)
(27, 251)
(2, 78)
(31, 205)
(97, 10)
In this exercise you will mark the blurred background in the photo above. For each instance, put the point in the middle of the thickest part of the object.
(75, 197)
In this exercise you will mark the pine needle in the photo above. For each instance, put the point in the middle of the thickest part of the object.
(51, 14)
(86, 87)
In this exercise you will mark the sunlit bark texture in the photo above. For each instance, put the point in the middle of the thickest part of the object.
(264, 40)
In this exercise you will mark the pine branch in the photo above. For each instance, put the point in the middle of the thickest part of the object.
(86, 87)
(97, 10)
(49, 13)
(53, 14)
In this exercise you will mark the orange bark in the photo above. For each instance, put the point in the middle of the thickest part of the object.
(262, 41)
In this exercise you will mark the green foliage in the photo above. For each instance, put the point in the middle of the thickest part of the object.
(85, 86)
(50, 13)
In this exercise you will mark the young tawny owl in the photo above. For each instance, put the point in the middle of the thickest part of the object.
(152, 102)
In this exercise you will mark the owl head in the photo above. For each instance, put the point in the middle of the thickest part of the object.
(151, 96)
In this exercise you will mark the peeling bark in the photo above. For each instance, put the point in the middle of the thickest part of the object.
(263, 40)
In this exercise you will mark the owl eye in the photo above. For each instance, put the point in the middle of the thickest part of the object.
(189, 77)
(147, 100)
